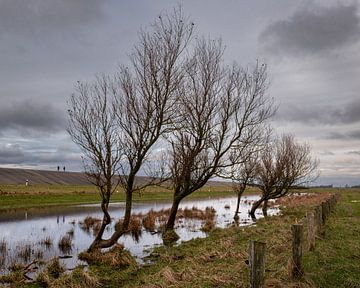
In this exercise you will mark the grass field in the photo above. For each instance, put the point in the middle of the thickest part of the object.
(21, 196)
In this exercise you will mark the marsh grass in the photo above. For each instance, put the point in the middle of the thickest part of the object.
(149, 221)
(47, 242)
(24, 252)
(115, 257)
(3, 246)
(39, 255)
(65, 244)
(208, 225)
(54, 269)
(2, 260)
(135, 228)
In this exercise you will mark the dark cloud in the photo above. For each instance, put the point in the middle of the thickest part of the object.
(18, 155)
(321, 114)
(37, 16)
(313, 30)
(28, 116)
(353, 153)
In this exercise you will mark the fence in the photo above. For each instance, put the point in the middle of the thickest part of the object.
(315, 229)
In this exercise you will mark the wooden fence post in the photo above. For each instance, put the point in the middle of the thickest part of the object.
(297, 233)
(257, 264)
(310, 230)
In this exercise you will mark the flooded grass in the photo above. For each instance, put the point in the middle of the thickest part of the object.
(47, 242)
(24, 252)
(149, 221)
(65, 244)
(90, 221)
(209, 224)
(2, 260)
(3, 246)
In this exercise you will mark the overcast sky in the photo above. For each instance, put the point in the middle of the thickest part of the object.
(312, 49)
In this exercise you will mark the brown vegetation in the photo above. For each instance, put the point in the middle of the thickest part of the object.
(65, 244)
(117, 256)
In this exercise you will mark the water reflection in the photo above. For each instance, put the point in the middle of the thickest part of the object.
(59, 231)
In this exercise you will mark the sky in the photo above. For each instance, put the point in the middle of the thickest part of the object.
(311, 48)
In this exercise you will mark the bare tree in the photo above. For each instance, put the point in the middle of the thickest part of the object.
(283, 164)
(244, 158)
(242, 174)
(92, 125)
(145, 102)
(218, 106)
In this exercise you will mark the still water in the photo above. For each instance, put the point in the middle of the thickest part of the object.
(28, 229)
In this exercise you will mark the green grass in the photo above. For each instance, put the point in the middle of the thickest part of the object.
(336, 261)
(21, 196)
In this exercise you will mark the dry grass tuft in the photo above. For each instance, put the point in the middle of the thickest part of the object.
(135, 228)
(54, 269)
(89, 221)
(169, 276)
(65, 244)
(208, 225)
(96, 228)
(115, 257)
(149, 221)
(88, 280)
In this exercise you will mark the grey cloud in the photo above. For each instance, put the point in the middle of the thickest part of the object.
(327, 153)
(313, 30)
(353, 153)
(15, 154)
(324, 114)
(37, 16)
(27, 117)
(354, 135)
(11, 153)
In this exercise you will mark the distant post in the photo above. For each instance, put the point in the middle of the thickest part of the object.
(297, 233)
(257, 264)
(311, 230)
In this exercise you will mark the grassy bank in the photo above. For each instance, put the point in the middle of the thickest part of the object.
(220, 260)
(21, 196)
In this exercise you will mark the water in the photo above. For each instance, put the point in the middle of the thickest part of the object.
(20, 228)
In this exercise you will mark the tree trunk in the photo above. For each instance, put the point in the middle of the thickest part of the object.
(265, 207)
(106, 243)
(240, 192)
(172, 217)
(255, 206)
